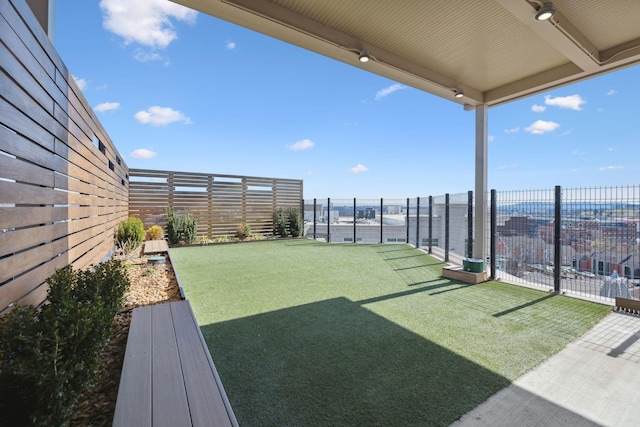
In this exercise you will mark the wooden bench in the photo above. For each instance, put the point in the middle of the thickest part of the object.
(168, 377)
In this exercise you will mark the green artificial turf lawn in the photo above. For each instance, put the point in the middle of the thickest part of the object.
(307, 333)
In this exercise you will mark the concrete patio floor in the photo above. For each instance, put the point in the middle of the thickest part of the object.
(594, 381)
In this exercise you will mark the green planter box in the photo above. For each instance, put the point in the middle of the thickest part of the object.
(473, 265)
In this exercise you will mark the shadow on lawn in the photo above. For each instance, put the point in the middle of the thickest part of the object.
(334, 362)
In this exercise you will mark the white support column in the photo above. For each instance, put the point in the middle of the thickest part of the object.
(480, 193)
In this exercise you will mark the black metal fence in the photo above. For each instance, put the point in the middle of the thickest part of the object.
(581, 241)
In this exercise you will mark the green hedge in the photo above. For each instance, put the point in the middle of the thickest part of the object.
(50, 356)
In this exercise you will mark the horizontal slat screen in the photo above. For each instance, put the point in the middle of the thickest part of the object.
(219, 203)
(60, 201)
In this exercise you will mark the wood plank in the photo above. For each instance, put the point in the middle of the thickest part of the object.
(18, 240)
(457, 273)
(155, 246)
(629, 305)
(17, 217)
(18, 121)
(21, 286)
(133, 404)
(31, 45)
(170, 407)
(23, 148)
(36, 296)
(15, 265)
(18, 193)
(25, 172)
(21, 80)
(207, 398)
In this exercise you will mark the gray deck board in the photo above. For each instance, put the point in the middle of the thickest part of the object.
(133, 405)
(155, 246)
(168, 377)
(206, 397)
(170, 406)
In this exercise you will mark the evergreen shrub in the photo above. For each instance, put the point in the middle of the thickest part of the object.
(49, 356)
(130, 232)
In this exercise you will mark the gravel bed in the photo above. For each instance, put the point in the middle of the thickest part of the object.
(150, 284)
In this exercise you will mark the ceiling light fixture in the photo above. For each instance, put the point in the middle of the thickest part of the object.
(364, 56)
(545, 12)
(458, 93)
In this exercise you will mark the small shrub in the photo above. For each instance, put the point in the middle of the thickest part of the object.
(204, 241)
(180, 227)
(295, 223)
(174, 225)
(189, 228)
(154, 233)
(126, 249)
(54, 352)
(243, 231)
(222, 239)
(257, 237)
(280, 223)
(131, 230)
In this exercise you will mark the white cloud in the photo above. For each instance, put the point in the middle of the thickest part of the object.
(230, 45)
(580, 154)
(571, 102)
(305, 144)
(610, 168)
(144, 56)
(143, 153)
(610, 149)
(148, 22)
(161, 116)
(538, 108)
(106, 106)
(491, 138)
(512, 130)
(358, 169)
(389, 90)
(542, 126)
(82, 83)
(612, 92)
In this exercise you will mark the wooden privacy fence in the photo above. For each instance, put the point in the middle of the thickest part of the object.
(63, 185)
(219, 203)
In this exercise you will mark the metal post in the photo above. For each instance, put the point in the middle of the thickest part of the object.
(430, 223)
(329, 220)
(354, 220)
(407, 220)
(315, 210)
(557, 240)
(494, 218)
(418, 222)
(381, 231)
(470, 225)
(302, 215)
(446, 227)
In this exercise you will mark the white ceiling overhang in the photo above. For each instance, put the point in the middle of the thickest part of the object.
(493, 50)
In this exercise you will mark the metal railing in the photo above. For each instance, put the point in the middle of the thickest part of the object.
(579, 241)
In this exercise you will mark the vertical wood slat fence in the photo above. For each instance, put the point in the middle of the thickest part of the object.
(219, 203)
(63, 185)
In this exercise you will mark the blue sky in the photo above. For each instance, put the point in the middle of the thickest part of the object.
(179, 90)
